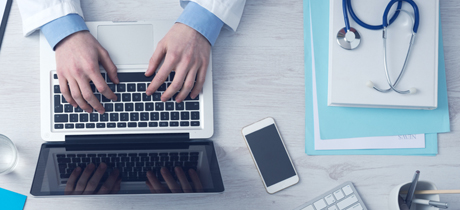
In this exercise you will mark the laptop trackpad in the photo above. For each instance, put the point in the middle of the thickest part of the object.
(130, 44)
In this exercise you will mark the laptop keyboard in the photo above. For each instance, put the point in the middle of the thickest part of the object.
(132, 110)
(132, 166)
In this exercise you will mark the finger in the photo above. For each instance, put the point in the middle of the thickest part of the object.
(172, 184)
(181, 72)
(152, 190)
(117, 186)
(188, 85)
(195, 180)
(102, 86)
(110, 182)
(81, 184)
(90, 98)
(76, 95)
(156, 59)
(95, 179)
(200, 77)
(65, 90)
(108, 65)
(168, 65)
(71, 181)
(158, 188)
(183, 180)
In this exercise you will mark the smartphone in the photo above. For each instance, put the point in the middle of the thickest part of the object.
(270, 155)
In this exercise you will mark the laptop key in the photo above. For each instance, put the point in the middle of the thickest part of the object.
(173, 124)
(164, 116)
(153, 124)
(118, 97)
(137, 97)
(180, 106)
(61, 118)
(83, 117)
(129, 107)
(163, 124)
(174, 115)
(148, 106)
(119, 107)
(195, 115)
(58, 126)
(112, 87)
(131, 87)
(100, 125)
(78, 109)
(188, 98)
(154, 116)
(141, 87)
(113, 116)
(104, 117)
(192, 106)
(159, 106)
(144, 116)
(57, 89)
(79, 125)
(134, 116)
(126, 97)
(139, 107)
(57, 100)
(69, 126)
(184, 116)
(68, 108)
(111, 125)
(195, 123)
(108, 107)
(63, 100)
(169, 105)
(94, 117)
(121, 88)
(134, 77)
(90, 125)
(124, 117)
(145, 97)
(58, 108)
(184, 123)
(162, 87)
(104, 99)
(156, 96)
(142, 124)
(132, 124)
(121, 125)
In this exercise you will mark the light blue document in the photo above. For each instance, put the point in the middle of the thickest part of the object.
(11, 200)
(348, 122)
(320, 48)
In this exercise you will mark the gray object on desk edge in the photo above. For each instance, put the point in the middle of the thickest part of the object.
(5, 20)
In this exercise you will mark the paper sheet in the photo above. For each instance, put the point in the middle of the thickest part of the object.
(11, 200)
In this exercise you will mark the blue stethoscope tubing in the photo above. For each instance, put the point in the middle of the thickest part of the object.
(347, 8)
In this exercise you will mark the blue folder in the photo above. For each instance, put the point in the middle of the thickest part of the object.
(320, 16)
(349, 122)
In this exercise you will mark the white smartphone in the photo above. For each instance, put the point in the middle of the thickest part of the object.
(270, 155)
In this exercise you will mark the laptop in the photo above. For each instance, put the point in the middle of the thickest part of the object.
(139, 136)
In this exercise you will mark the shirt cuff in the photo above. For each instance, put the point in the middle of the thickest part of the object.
(60, 28)
(203, 21)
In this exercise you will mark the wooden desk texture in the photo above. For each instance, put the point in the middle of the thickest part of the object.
(258, 72)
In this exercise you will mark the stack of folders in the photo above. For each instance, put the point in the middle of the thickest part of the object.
(335, 130)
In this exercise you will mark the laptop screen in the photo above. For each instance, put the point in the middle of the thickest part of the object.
(141, 168)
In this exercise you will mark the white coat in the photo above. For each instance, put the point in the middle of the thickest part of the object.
(36, 13)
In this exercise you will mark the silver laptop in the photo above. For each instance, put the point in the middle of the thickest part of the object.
(130, 45)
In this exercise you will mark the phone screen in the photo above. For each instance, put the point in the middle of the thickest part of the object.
(271, 156)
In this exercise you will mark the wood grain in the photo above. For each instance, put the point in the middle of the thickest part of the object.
(258, 72)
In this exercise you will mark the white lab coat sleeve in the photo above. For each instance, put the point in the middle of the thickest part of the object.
(36, 13)
(229, 11)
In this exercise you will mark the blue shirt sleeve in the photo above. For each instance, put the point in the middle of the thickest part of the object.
(203, 21)
(60, 28)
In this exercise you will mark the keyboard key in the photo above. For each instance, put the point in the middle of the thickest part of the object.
(126, 97)
(163, 124)
(58, 126)
(338, 194)
(104, 99)
(192, 106)
(121, 88)
(159, 106)
(169, 105)
(83, 117)
(132, 124)
(63, 100)
(153, 124)
(131, 87)
(57, 89)
(61, 118)
(113, 117)
(174, 124)
(134, 77)
(347, 190)
(73, 117)
(184, 116)
(69, 126)
(141, 87)
(154, 116)
(137, 97)
(90, 125)
(145, 97)
(180, 106)
(347, 202)
(118, 97)
(121, 125)
(58, 109)
(171, 76)
(195, 115)
(329, 199)
(184, 123)
(320, 204)
(188, 98)
(108, 107)
(162, 87)
(145, 116)
(68, 108)
(139, 107)
(100, 125)
(142, 124)
(124, 116)
(119, 107)
(55, 76)
(356, 207)
(129, 107)
(149, 107)
(134, 116)
(195, 123)
(156, 96)
(174, 115)
(112, 87)
(104, 117)
(79, 125)
(164, 115)
(78, 109)
(111, 125)
(94, 117)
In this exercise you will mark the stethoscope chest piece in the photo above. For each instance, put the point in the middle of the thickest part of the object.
(348, 40)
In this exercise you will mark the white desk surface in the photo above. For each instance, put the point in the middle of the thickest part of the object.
(258, 72)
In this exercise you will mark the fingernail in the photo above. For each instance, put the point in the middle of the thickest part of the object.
(148, 93)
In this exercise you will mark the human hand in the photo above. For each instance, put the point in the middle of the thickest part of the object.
(185, 51)
(87, 184)
(156, 187)
(77, 61)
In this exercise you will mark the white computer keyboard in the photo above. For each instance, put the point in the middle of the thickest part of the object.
(342, 197)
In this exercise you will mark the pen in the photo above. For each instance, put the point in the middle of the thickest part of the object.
(431, 203)
(410, 193)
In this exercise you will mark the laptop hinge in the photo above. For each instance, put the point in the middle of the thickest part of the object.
(127, 138)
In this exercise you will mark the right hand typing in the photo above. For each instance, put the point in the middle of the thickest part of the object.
(77, 61)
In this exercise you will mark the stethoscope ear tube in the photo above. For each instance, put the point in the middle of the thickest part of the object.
(414, 6)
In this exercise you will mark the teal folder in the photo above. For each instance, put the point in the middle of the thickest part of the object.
(319, 21)
(349, 122)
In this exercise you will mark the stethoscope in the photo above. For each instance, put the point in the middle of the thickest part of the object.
(349, 38)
